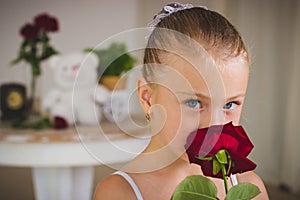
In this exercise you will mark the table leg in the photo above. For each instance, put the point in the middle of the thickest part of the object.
(63, 183)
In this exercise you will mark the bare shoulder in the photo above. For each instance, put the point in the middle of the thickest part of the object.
(113, 187)
(252, 177)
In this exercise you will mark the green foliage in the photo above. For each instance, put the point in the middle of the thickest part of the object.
(37, 124)
(243, 191)
(201, 188)
(34, 52)
(114, 60)
(195, 187)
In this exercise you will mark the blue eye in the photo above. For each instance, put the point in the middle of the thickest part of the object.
(230, 106)
(193, 103)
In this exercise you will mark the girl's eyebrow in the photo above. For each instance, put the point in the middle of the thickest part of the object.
(236, 97)
(203, 96)
(200, 95)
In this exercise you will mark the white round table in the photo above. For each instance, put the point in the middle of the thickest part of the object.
(63, 161)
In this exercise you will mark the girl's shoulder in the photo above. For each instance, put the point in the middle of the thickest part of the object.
(249, 177)
(107, 188)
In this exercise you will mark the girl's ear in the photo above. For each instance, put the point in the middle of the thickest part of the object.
(144, 93)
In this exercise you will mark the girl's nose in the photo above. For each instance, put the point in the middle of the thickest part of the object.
(213, 117)
(217, 117)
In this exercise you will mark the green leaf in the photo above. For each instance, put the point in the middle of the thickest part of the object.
(242, 191)
(216, 166)
(37, 124)
(114, 60)
(88, 50)
(191, 196)
(47, 53)
(195, 186)
(16, 61)
(206, 158)
(222, 157)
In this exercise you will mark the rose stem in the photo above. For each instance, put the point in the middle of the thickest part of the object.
(224, 177)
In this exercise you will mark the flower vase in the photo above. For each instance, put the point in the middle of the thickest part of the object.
(33, 119)
(34, 50)
(33, 108)
(113, 82)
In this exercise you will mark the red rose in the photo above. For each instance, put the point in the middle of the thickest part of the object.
(60, 123)
(29, 32)
(207, 142)
(46, 22)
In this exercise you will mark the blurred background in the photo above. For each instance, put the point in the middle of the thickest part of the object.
(270, 28)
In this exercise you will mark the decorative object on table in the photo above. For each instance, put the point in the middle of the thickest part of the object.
(114, 61)
(221, 151)
(36, 48)
(13, 108)
(117, 109)
(13, 101)
(76, 94)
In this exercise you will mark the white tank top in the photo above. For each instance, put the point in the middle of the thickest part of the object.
(137, 192)
(131, 183)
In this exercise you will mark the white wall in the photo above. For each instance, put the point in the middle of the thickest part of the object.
(82, 24)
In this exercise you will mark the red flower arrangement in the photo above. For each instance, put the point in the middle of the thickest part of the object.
(36, 47)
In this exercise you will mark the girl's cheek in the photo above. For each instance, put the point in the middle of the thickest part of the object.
(233, 116)
(189, 121)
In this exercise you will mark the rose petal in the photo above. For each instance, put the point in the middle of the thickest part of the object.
(29, 31)
(46, 22)
(241, 164)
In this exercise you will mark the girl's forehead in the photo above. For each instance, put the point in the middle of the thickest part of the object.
(204, 66)
(205, 76)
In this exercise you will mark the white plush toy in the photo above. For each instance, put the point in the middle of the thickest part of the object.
(76, 96)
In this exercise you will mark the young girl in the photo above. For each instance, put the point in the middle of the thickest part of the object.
(195, 75)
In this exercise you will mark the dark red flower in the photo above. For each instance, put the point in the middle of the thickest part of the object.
(207, 142)
(46, 22)
(60, 123)
(29, 31)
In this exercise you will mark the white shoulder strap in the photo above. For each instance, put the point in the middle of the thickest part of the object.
(233, 179)
(131, 183)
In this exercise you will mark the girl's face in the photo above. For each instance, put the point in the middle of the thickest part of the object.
(186, 98)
